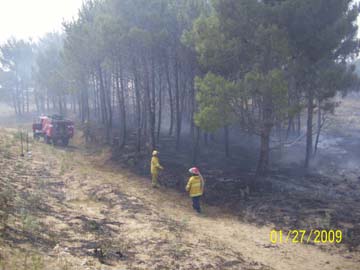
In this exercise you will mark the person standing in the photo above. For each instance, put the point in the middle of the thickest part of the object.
(195, 187)
(155, 167)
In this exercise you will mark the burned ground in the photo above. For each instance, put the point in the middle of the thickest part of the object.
(65, 208)
(324, 197)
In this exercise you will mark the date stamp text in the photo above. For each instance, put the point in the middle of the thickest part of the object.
(306, 236)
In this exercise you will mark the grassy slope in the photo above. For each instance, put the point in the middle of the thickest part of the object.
(65, 204)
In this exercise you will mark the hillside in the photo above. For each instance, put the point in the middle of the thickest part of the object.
(68, 209)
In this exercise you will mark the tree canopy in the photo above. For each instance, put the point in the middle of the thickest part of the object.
(150, 68)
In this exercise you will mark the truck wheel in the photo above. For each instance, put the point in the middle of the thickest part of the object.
(65, 141)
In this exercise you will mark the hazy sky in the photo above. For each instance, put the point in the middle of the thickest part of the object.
(34, 18)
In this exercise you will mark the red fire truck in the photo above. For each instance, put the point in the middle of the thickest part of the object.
(53, 129)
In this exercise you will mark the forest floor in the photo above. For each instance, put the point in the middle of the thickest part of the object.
(324, 197)
(70, 208)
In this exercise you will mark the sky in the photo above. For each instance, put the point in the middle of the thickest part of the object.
(34, 18)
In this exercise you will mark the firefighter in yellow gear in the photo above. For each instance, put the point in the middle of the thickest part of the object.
(155, 167)
(195, 187)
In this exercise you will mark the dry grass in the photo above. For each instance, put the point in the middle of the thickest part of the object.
(75, 212)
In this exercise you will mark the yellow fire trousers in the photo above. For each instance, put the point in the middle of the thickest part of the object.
(154, 179)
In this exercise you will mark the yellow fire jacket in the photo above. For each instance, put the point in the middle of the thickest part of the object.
(195, 186)
(155, 165)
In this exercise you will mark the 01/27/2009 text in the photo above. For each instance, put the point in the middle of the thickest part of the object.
(305, 236)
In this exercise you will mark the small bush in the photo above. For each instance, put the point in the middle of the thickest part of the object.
(29, 222)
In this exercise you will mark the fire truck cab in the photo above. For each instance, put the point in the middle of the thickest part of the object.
(54, 129)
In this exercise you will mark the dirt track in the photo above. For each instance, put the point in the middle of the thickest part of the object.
(90, 215)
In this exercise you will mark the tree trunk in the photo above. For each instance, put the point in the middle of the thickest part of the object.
(309, 129)
(121, 103)
(37, 101)
(263, 163)
(123, 108)
(138, 108)
(15, 104)
(160, 108)
(61, 111)
(104, 99)
(206, 138)
(86, 100)
(108, 96)
(102, 96)
(288, 130)
(177, 104)
(171, 102)
(196, 146)
(319, 125)
(267, 118)
(97, 99)
(193, 105)
(153, 105)
(226, 137)
(27, 100)
(148, 114)
(47, 103)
